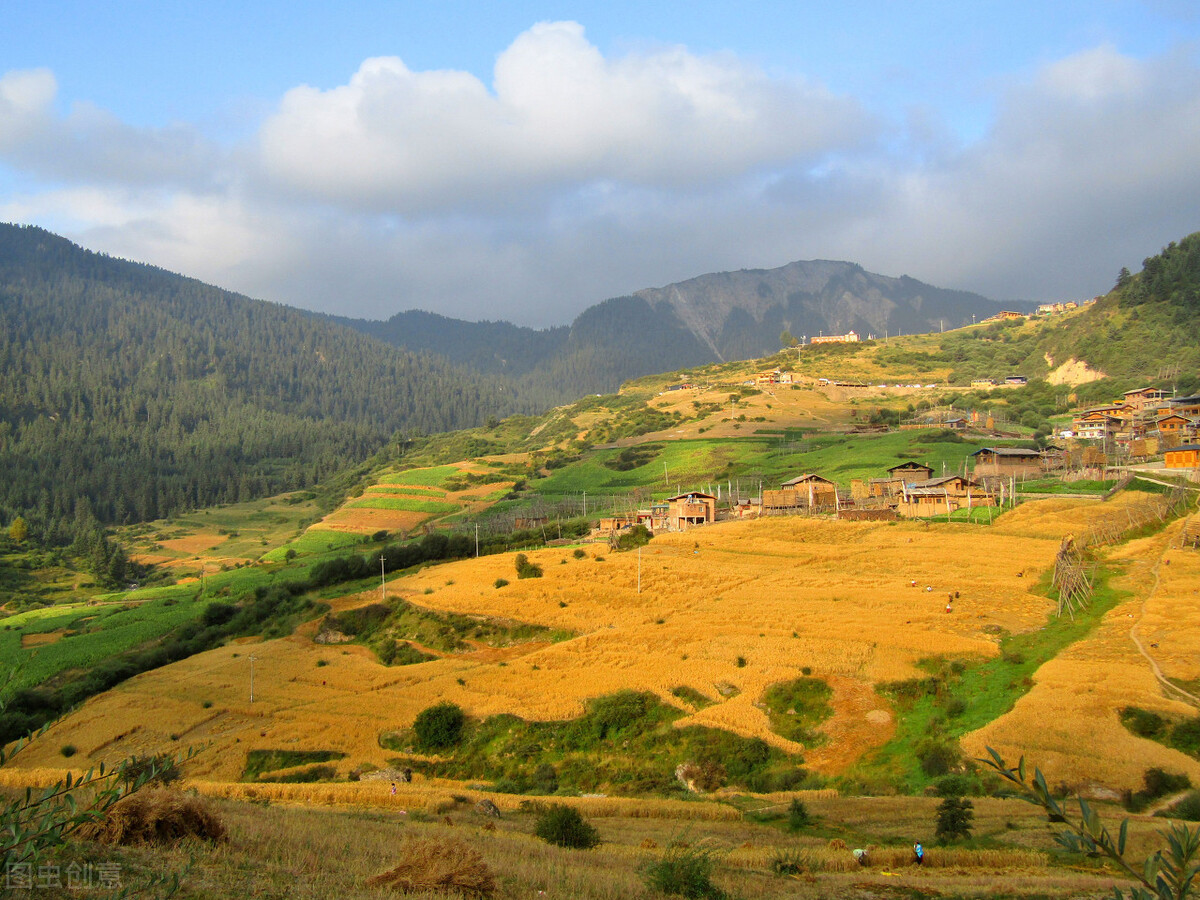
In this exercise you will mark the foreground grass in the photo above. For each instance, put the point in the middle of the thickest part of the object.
(306, 852)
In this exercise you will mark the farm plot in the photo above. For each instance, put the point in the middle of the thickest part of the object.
(1069, 721)
(403, 501)
(727, 611)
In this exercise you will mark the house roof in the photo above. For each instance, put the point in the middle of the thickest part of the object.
(1182, 447)
(1007, 451)
(910, 464)
(938, 482)
(1195, 398)
(689, 494)
(810, 476)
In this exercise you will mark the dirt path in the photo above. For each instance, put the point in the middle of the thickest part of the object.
(1171, 689)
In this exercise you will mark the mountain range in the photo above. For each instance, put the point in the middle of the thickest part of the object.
(712, 318)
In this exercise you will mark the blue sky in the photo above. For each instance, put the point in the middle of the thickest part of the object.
(524, 160)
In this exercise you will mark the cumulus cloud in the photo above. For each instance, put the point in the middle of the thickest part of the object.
(573, 176)
(1090, 165)
(558, 114)
(91, 145)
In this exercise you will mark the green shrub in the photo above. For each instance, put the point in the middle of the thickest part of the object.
(936, 758)
(68, 750)
(579, 553)
(954, 817)
(1185, 736)
(563, 826)
(1142, 722)
(798, 816)
(439, 727)
(637, 536)
(683, 871)
(788, 861)
(957, 785)
(1188, 808)
(500, 582)
(527, 569)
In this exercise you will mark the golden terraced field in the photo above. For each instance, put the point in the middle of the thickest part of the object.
(780, 593)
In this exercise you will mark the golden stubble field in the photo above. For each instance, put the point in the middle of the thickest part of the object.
(1068, 723)
(726, 610)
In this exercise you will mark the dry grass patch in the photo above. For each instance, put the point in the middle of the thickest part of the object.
(447, 866)
(156, 817)
(1069, 721)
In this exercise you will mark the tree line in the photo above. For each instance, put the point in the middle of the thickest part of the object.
(147, 393)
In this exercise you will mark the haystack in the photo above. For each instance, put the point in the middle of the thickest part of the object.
(155, 817)
(445, 866)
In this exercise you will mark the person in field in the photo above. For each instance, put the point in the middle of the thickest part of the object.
(918, 853)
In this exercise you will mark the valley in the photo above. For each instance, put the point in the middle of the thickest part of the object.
(857, 654)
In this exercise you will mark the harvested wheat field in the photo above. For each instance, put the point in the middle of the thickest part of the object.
(282, 849)
(727, 611)
(1068, 723)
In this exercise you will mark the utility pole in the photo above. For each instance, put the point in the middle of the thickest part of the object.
(639, 570)
(585, 504)
(382, 580)
(477, 540)
(252, 658)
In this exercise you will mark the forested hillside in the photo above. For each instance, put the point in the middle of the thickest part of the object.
(1147, 327)
(129, 393)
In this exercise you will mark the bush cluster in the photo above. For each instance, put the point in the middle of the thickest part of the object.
(563, 826)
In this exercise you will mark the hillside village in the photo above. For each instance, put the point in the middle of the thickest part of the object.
(836, 577)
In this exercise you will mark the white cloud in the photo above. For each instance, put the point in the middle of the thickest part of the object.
(574, 177)
(559, 115)
(91, 145)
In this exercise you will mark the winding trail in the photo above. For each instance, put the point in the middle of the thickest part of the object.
(1169, 687)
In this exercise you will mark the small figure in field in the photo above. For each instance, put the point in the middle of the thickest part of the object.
(949, 608)
(914, 583)
(393, 789)
(862, 857)
(956, 595)
(918, 854)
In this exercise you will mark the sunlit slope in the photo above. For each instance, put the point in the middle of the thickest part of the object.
(781, 594)
(1069, 721)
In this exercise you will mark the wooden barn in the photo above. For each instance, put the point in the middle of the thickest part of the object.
(1004, 461)
(1185, 456)
(803, 491)
(939, 496)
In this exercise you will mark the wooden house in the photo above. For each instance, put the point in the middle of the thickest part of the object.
(1186, 406)
(1004, 461)
(1140, 398)
(689, 510)
(656, 518)
(806, 490)
(1185, 456)
(1175, 424)
(1096, 425)
(613, 524)
(938, 496)
(911, 471)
